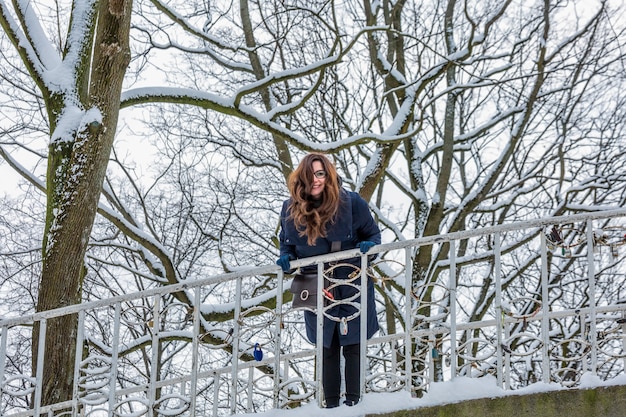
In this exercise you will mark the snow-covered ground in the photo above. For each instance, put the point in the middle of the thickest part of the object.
(460, 389)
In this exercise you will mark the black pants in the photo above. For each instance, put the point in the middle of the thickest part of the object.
(331, 372)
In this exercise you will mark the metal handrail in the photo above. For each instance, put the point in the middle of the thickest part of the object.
(334, 256)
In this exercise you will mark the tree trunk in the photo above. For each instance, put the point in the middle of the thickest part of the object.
(77, 165)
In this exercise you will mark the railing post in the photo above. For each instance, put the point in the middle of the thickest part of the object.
(250, 389)
(4, 336)
(408, 295)
(452, 285)
(154, 369)
(622, 322)
(235, 354)
(277, 336)
(363, 322)
(114, 355)
(319, 338)
(216, 393)
(431, 357)
(593, 335)
(507, 359)
(499, 317)
(195, 341)
(285, 389)
(78, 356)
(545, 309)
(41, 348)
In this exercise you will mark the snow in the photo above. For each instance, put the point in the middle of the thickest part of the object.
(74, 120)
(44, 48)
(457, 390)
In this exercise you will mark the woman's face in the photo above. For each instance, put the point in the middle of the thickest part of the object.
(319, 179)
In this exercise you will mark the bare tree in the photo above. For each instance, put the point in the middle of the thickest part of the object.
(445, 116)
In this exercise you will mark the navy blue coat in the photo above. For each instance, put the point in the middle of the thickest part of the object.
(354, 223)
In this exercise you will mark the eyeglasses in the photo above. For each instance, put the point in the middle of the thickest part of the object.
(320, 174)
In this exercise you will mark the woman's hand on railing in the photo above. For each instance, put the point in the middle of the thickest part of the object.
(365, 246)
(284, 262)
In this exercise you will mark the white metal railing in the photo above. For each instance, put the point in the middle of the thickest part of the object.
(151, 354)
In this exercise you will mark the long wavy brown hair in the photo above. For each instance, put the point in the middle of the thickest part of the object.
(310, 216)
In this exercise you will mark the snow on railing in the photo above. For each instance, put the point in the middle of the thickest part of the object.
(526, 302)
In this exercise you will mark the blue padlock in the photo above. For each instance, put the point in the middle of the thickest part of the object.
(258, 353)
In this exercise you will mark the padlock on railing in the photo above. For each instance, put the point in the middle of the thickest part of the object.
(343, 326)
(258, 353)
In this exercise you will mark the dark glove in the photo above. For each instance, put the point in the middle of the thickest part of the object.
(366, 245)
(284, 263)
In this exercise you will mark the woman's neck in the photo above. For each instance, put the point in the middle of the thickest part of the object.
(316, 202)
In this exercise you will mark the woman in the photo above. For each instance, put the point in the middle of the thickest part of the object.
(318, 214)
